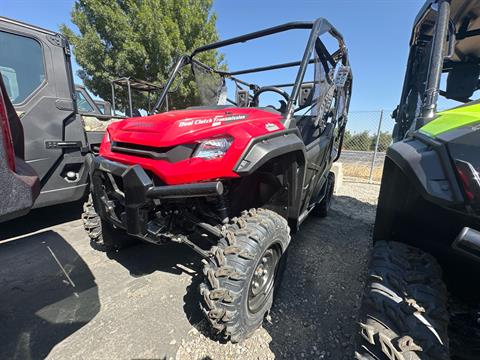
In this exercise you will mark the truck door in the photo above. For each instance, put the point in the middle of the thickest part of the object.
(35, 66)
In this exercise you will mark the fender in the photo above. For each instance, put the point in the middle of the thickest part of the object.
(263, 149)
(426, 164)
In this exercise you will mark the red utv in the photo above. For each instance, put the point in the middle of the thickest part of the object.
(228, 178)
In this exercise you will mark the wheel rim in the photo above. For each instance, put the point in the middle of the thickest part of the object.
(263, 279)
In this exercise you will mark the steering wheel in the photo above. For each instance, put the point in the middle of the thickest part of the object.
(274, 89)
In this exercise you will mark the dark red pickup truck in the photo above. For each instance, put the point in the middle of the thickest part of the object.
(19, 184)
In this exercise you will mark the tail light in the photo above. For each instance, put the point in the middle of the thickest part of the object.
(470, 180)
(7, 137)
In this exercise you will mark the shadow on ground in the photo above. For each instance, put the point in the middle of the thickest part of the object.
(314, 315)
(39, 219)
(40, 303)
(144, 259)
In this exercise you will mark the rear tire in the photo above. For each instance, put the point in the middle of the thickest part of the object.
(323, 207)
(244, 272)
(403, 315)
(103, 236)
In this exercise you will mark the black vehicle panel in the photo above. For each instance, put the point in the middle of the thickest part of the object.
(46, 107)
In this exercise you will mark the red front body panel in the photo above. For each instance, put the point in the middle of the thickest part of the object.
(191, 127)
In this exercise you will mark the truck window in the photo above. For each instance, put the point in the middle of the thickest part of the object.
(21, 65)
(82, 103)
(101, 107)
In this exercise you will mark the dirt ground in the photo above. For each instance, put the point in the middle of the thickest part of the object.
(61, 299)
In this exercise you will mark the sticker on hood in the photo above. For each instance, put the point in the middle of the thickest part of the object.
(271, 127)
(214, 121)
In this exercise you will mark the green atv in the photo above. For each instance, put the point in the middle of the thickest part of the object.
(422, 299)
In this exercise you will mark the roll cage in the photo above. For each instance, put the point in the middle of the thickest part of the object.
(441, 43)
(328, 61)
(133, 84)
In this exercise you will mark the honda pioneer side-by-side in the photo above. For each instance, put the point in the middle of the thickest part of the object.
(422, 299)
(228, 177)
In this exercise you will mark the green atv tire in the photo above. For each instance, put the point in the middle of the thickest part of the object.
(403, 315)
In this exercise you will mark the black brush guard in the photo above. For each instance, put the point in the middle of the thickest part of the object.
(136, 194)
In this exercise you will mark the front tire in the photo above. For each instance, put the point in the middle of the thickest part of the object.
(403, 315)
(103, 236)
(243, 273)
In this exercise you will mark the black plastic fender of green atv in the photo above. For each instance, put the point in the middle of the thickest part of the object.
(266, 148)
(420, 186)
(427, 165)
(420, 166)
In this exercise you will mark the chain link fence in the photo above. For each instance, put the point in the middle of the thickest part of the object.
(367, 137)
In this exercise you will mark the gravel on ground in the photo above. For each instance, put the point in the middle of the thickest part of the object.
(314, 316)
(62, 299)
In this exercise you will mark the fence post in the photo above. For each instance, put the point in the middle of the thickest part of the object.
(376, 147)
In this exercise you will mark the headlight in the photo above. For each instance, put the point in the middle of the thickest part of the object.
(213, 148)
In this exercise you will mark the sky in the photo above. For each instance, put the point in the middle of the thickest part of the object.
(377, 33)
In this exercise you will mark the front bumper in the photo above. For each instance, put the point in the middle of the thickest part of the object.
(124, 195)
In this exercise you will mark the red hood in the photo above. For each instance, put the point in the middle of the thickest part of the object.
(190, 127)
(183, 126)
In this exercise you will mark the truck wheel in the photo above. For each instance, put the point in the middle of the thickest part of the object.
(323, 207)
(403, 315)
(243, 273)
(103, 236)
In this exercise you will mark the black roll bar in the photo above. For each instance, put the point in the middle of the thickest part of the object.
(318, 27)
(266, 68)
(429, 107)
(255, 35)
(183, 60)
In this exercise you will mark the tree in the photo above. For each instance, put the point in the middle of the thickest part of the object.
(142, 39)
(347, 136)
(384, 141)
(357, 142)
(365, 142)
